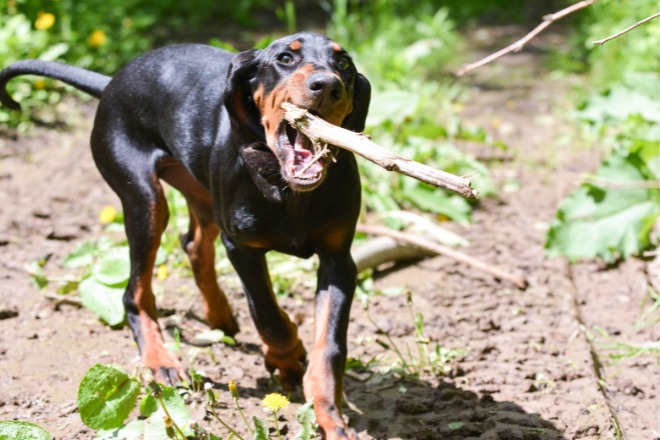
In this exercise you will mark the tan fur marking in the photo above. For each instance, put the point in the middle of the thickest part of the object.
(296, 45)
(336, 47)
(295, 90)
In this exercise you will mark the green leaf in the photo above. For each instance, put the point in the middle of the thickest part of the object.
(260, 429)
(133, 430)
(17, 430)
(148, 405)
(612, 219)
(394, 106)
(176, 407)
(106, 396)
(619, 104)
(114, 268)
(455, 425)
(435, 201)
(37, 273)
(103, 300)
(307, 419)
(82, 255)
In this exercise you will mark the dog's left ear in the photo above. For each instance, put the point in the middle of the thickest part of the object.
(356, 120)
(238, 92)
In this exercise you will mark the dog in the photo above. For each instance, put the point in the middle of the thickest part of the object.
(209, 123)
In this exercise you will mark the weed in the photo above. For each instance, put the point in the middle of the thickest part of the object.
(437, 361)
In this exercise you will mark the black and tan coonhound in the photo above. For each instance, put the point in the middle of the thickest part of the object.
(209, 123)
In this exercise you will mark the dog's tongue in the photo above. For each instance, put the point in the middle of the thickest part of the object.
(302, 156)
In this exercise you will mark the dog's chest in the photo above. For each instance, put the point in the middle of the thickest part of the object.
(290, 229)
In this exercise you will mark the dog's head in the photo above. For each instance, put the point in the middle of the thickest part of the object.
(310, 71)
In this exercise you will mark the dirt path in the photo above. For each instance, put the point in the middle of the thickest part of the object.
(530, 370)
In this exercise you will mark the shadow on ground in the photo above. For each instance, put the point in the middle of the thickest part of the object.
(390, 407)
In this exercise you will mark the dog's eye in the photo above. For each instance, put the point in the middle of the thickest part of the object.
(285, 58)
(343, 64)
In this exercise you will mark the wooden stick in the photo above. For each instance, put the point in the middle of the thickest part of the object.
(618, 34)
(320, 131)
(518, 45)
(439, 249)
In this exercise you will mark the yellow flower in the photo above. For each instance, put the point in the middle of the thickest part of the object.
(233, 390)
(45, 20)
(108, 214)
(275, 402)
(162, 272)
(40, 84)
(97, 39)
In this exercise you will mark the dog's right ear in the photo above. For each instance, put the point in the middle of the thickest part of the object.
(238, 92)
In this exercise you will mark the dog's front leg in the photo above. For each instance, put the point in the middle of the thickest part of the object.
(324, 380)
(283, 350)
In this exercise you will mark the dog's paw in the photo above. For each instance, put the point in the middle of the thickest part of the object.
(291, 364)
(340, 433)
(165, 367)
(226, 322)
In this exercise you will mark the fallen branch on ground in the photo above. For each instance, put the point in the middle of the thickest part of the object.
(320, 131)
(439, 249)
(618, 34)
(518, 45)
(380, 250)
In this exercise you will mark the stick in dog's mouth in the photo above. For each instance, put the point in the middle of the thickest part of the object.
(301, 159)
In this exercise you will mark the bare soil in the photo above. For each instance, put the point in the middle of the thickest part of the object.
(533, 368)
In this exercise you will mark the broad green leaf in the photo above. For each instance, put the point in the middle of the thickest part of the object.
(133, 430)
(614, 219)
(435, 201)
(82, 255)
(619, 104)
(106, 396)
(394, 106)
(103, 300)
(114, 268)
(260, 429)
(154, 428)
(17, 430)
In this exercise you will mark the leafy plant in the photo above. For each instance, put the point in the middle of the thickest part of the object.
(18, 430)
(612, 215)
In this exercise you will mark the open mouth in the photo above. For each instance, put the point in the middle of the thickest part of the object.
(302, 166)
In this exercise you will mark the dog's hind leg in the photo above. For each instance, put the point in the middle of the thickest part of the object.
(132, 174)
(198, 243)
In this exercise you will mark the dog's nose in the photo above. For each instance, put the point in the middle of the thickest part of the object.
(325, 84)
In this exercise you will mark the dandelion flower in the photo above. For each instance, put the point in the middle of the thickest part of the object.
(162, 272)
(97, 39)
(45, 20)
(275, 402)
(107, 215)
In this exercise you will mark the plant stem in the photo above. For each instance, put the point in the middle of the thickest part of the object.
(167, 413)
(240, 411)
(232, 430)
(404, 364)
(277, 426)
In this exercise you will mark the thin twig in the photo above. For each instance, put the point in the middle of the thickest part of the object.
(618, 34)
(518, 45)
(415, 240)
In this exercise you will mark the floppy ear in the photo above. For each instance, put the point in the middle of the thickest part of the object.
(356, 120)
(238, 92)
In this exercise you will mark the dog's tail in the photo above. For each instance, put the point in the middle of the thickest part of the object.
(85, 80)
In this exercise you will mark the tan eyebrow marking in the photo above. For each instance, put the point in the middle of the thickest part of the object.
(295, 45)
(336, 47)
